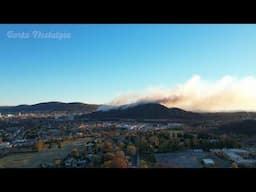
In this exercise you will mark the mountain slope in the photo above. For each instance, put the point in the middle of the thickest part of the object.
(143, 111)
(50, 107)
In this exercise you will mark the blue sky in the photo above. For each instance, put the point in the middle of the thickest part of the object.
(99, 62)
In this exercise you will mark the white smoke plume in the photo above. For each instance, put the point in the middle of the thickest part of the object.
(226, 94)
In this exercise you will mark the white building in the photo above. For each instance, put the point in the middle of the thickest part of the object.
(240, 152)
(10, 115)
(208, 162)
(231, 155)
(5, 145)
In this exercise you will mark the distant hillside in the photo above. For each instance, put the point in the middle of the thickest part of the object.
(143, 111)
(50, 107)
(242, 127)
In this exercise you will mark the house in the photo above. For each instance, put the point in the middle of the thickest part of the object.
(241, 152)
(10, 115)
(208, 162)
(5, 145)
(231, 155)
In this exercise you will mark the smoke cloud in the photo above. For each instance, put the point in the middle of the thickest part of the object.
(226, 94)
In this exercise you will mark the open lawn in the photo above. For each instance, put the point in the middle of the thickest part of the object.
(33, 160)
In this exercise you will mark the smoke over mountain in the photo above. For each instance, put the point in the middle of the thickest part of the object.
(226, 94)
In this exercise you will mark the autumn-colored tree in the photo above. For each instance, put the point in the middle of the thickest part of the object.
(131, 149)
(75, 153)
(107, 164)
(57, 162)
(108, 146)
(39, 145)
(120, 154)
(119, 162)
(121, 145)
(234, 165)
(143, 164)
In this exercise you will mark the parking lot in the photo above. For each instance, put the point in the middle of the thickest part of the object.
(189, 159)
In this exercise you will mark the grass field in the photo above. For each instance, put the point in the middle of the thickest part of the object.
(33, 160)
